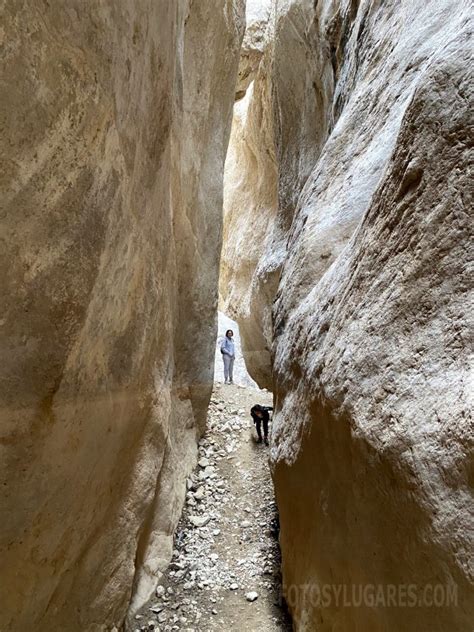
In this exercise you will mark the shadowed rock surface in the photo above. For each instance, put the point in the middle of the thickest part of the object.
(116, 124)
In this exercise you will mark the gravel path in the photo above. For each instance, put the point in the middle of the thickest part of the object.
(225, 569)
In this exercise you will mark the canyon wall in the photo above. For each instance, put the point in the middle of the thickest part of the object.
(353, 275)
(115, 120)
(250, 202)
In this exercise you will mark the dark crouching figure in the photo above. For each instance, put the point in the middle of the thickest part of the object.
(261, 415)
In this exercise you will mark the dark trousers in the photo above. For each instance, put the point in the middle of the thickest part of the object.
(258, 424)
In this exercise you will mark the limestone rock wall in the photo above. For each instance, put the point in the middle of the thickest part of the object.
(115, 125)
(367, 318)
(257, 13)
(250, 203)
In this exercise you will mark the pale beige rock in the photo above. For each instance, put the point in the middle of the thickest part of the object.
(115, 124)
(256, 17)
(250, 206)
(372, 439)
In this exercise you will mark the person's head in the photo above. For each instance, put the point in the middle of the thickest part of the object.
(258, 410)
(229, 333)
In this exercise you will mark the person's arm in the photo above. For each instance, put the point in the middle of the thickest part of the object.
(223, 347)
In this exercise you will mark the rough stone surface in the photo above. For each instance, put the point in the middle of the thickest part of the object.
(256, 16)
(250, 205)
(360, 110)
(115, 122)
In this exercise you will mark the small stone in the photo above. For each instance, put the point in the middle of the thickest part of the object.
(234, 586)
(245, 524)
(160, 591)
(199, 521)
(199, 494)
(203, 462)
(206, 473)
(156, 609)
(251, 596)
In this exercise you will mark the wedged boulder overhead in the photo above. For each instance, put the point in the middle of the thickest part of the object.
(116, 125)
(368, 111)
(257, 13)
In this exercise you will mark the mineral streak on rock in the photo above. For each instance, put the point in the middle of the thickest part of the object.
(115, 125)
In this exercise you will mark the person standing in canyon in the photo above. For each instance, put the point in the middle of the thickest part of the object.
(228, 356)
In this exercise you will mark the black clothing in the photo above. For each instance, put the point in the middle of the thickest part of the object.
(258, 424)
(264, 419)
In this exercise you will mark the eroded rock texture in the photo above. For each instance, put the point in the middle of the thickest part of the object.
(116, 121)
(361, 112)
(247, 280)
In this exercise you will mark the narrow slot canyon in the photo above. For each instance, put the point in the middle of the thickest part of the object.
(296, 171)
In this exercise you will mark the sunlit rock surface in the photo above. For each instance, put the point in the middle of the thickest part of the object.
(256, 15)
(353, 273)
(115, 124)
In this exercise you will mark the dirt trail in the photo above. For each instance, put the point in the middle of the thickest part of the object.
(226, 542)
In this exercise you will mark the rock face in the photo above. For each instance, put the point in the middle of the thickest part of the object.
(116, 121)
(253, 45)
(360, 111)
(247, 280)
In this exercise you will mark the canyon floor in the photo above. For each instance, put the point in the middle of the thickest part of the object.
(226, 544)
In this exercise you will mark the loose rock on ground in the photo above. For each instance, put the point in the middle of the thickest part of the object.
(225, 570)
